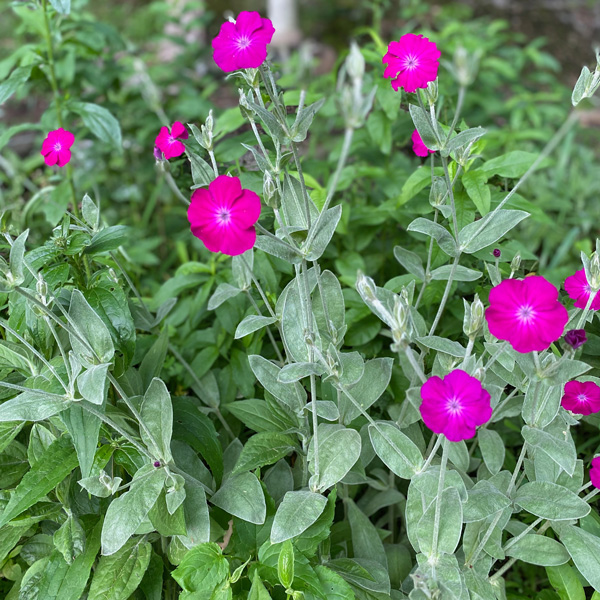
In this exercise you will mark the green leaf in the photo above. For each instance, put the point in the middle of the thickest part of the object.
(436, 231)
(442, 345)
(463, 139)
(252, 323)
(117, 576)
(92, 383)
(584, 548)
(450, 524)
(339, 449)
(539, 550)
(565, 581)
(166, 522)
(278, 248)
(423, 126)
(157, 415)
(223, 293)
(492, 449)
(17, 254)
(90, 212)
(296, 513)
(323, 235)
(258, 591)
(202, 568)
(484, 500)
(270, 123)
(126, 513)
(379, 127)
(511, 165)
(84, 429)
(69, 539)
(263, 449)
(55, 464)
(154, 360)
(395, 449)
(291, 394)
(92, 329)
(100, 122)
(202, 172)
(61, 6)
(17, 78)
(109, 239)
(32, 406)
(366, 542)
(550, 501)
(475, 183)
(493, 226)
(197, 522)
(299, 370)
(375, 379)
(334, 587)
(242, 496)
(561, 451)
(13, 359)
(304, 119)
(8, 432)
(410, 261)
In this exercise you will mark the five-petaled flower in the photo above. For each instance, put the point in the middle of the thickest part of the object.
(581, 397)
(526, 313)
(595, 472)
(243, 44)
(223, 216)
(455, 405)
(412, 61)
(168, 142)
(579, 289)
(56, 147)
(419, 148)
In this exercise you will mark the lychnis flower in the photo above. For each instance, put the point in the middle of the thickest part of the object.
(412, 62)
(575, 338)
(581, 397)
(56, 147)
(419, 148)
(579, 289)
(168, 142)
(595, 472)
(223, 216)
(455, 405)
(243, 44)
(526, 313)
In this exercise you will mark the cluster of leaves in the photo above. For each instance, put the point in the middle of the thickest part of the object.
(154, 437)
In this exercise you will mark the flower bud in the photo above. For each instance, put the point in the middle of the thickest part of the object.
(515, 263)
(473, 323)
(465, 66)
(595, 271)
(575, 338)
(355, 62)
(270, 195)
(41, 287)
(368, 292)
(437, 194)
(245, 107)
(431, 93)
(588, 82)
(497, 253)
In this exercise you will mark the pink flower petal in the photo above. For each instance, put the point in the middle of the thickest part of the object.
(173, 150)
(225, 189)
(179, 131)
(64, 156)
(245, 210)
(248, 22)
(51, 158)
(237, 241)
(66, 138)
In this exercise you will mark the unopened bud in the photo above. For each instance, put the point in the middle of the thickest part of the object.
(41, 287)
(474, 316)
(270, 195)
(437, 194)
(515, 263)
(575, 338)
(401, 327)
(595, 271)
(245, 107)
(368, 292)
(432, 92)
(207, 132)
(355, 62)
(465, 65)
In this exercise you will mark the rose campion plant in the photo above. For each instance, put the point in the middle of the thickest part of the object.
(284, 459)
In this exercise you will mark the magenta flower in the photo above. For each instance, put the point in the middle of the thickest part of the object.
(243, 44)
(168, 141)
(578, 288)
(581, 397)
(575, 338)
(455, 405)
(413, 61)
(223, 216)
(526, 313)
(419, 148)
(595, 472)
(56, 147)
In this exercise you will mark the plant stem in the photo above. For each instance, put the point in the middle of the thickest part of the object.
(258, 287)
(268, 328)
(414, 364)
(469, 562)
(428, 266)
(433, 452)
(459, 103)
(438, 498)
(586, 310)
(175, 188)
(438, 316)
(451, 193)
(515, 474)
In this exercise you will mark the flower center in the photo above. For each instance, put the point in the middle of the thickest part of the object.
(243, 42)
(57, 147)
(525, 313)
(453, 406)
(411, 62)
(224, 216)
(171, 140)
(581, 398)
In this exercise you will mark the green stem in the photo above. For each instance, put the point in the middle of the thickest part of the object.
(515, 474)
(258, 287)
(414, 364)
(586, 310)
(268, 328)
(428, 266)
(459, 103)
(469, 562)
(451, 193)
(433, 452)
(438, 498)
(175, 188)
(438, 316)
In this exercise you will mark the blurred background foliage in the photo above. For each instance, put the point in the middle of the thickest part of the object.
(150, 64)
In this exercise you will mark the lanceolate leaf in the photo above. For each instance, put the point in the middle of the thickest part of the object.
(55, 464)
(157, 416)
(296, 513)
